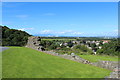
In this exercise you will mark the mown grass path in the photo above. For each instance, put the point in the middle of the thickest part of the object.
(21, 62)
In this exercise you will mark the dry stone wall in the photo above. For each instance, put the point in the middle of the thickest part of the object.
(115, 73)
(70, 57)
(34, 43)
(111, 65)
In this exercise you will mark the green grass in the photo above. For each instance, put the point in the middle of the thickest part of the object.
(0, 65)
(96, 58)
(21, 62)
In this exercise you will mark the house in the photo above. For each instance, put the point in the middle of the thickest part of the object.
(100, 47)
(105, 41)
(97, 43)
(61, 44)
(65, 44)
(76, 42)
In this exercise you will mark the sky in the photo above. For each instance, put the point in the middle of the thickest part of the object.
(60, 0)
(62, 18)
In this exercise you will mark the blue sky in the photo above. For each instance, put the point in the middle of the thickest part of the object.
(60, 0)
(62, 19)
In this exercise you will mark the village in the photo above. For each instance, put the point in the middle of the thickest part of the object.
(93, 45)
(67, 46)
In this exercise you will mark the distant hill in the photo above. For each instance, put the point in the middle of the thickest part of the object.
(45, 35)
(13, 37)
(54, 35)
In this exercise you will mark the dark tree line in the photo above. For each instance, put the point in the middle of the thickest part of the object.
(13, 37)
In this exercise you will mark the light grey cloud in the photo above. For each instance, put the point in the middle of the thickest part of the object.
(70, 32)
(46, 31)
(116, 30)
(77, 33)
(24, 29)
(21, 16)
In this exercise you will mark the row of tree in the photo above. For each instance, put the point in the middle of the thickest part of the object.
(13, 37)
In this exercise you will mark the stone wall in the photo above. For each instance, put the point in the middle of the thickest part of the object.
(106, 64)
(70, 57)
(111, 65)
(34, 43)
(115, 73)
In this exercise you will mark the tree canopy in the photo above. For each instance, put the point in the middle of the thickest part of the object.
(111, 48)
(13, 37)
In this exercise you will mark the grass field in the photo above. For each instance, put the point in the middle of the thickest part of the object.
(0, 65)
(21, 62)
(96, 58)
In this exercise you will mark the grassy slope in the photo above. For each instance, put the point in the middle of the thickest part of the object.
(95, 58)
(0, 65)
(20, 62)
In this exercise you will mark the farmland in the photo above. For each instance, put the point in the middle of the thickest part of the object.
(59, 39)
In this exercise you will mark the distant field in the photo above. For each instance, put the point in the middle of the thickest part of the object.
(59, 39)
(21, 62)
(96, 58)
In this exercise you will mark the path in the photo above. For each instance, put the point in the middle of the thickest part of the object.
(3, 48)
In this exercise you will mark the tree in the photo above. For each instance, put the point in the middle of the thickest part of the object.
(12, 37)
(93, 45)
(111, 48)
(70, 44)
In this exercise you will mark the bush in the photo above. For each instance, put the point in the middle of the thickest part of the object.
(83, 48)
(99, 51)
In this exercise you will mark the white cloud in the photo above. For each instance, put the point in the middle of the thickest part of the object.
(24, 29)
(49, 14)
(77, 33)
(21, 16)
(66, 32)
(46, 31)
(62, 32)
(116, 30)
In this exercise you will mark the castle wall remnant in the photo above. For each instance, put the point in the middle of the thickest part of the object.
(34, 43)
